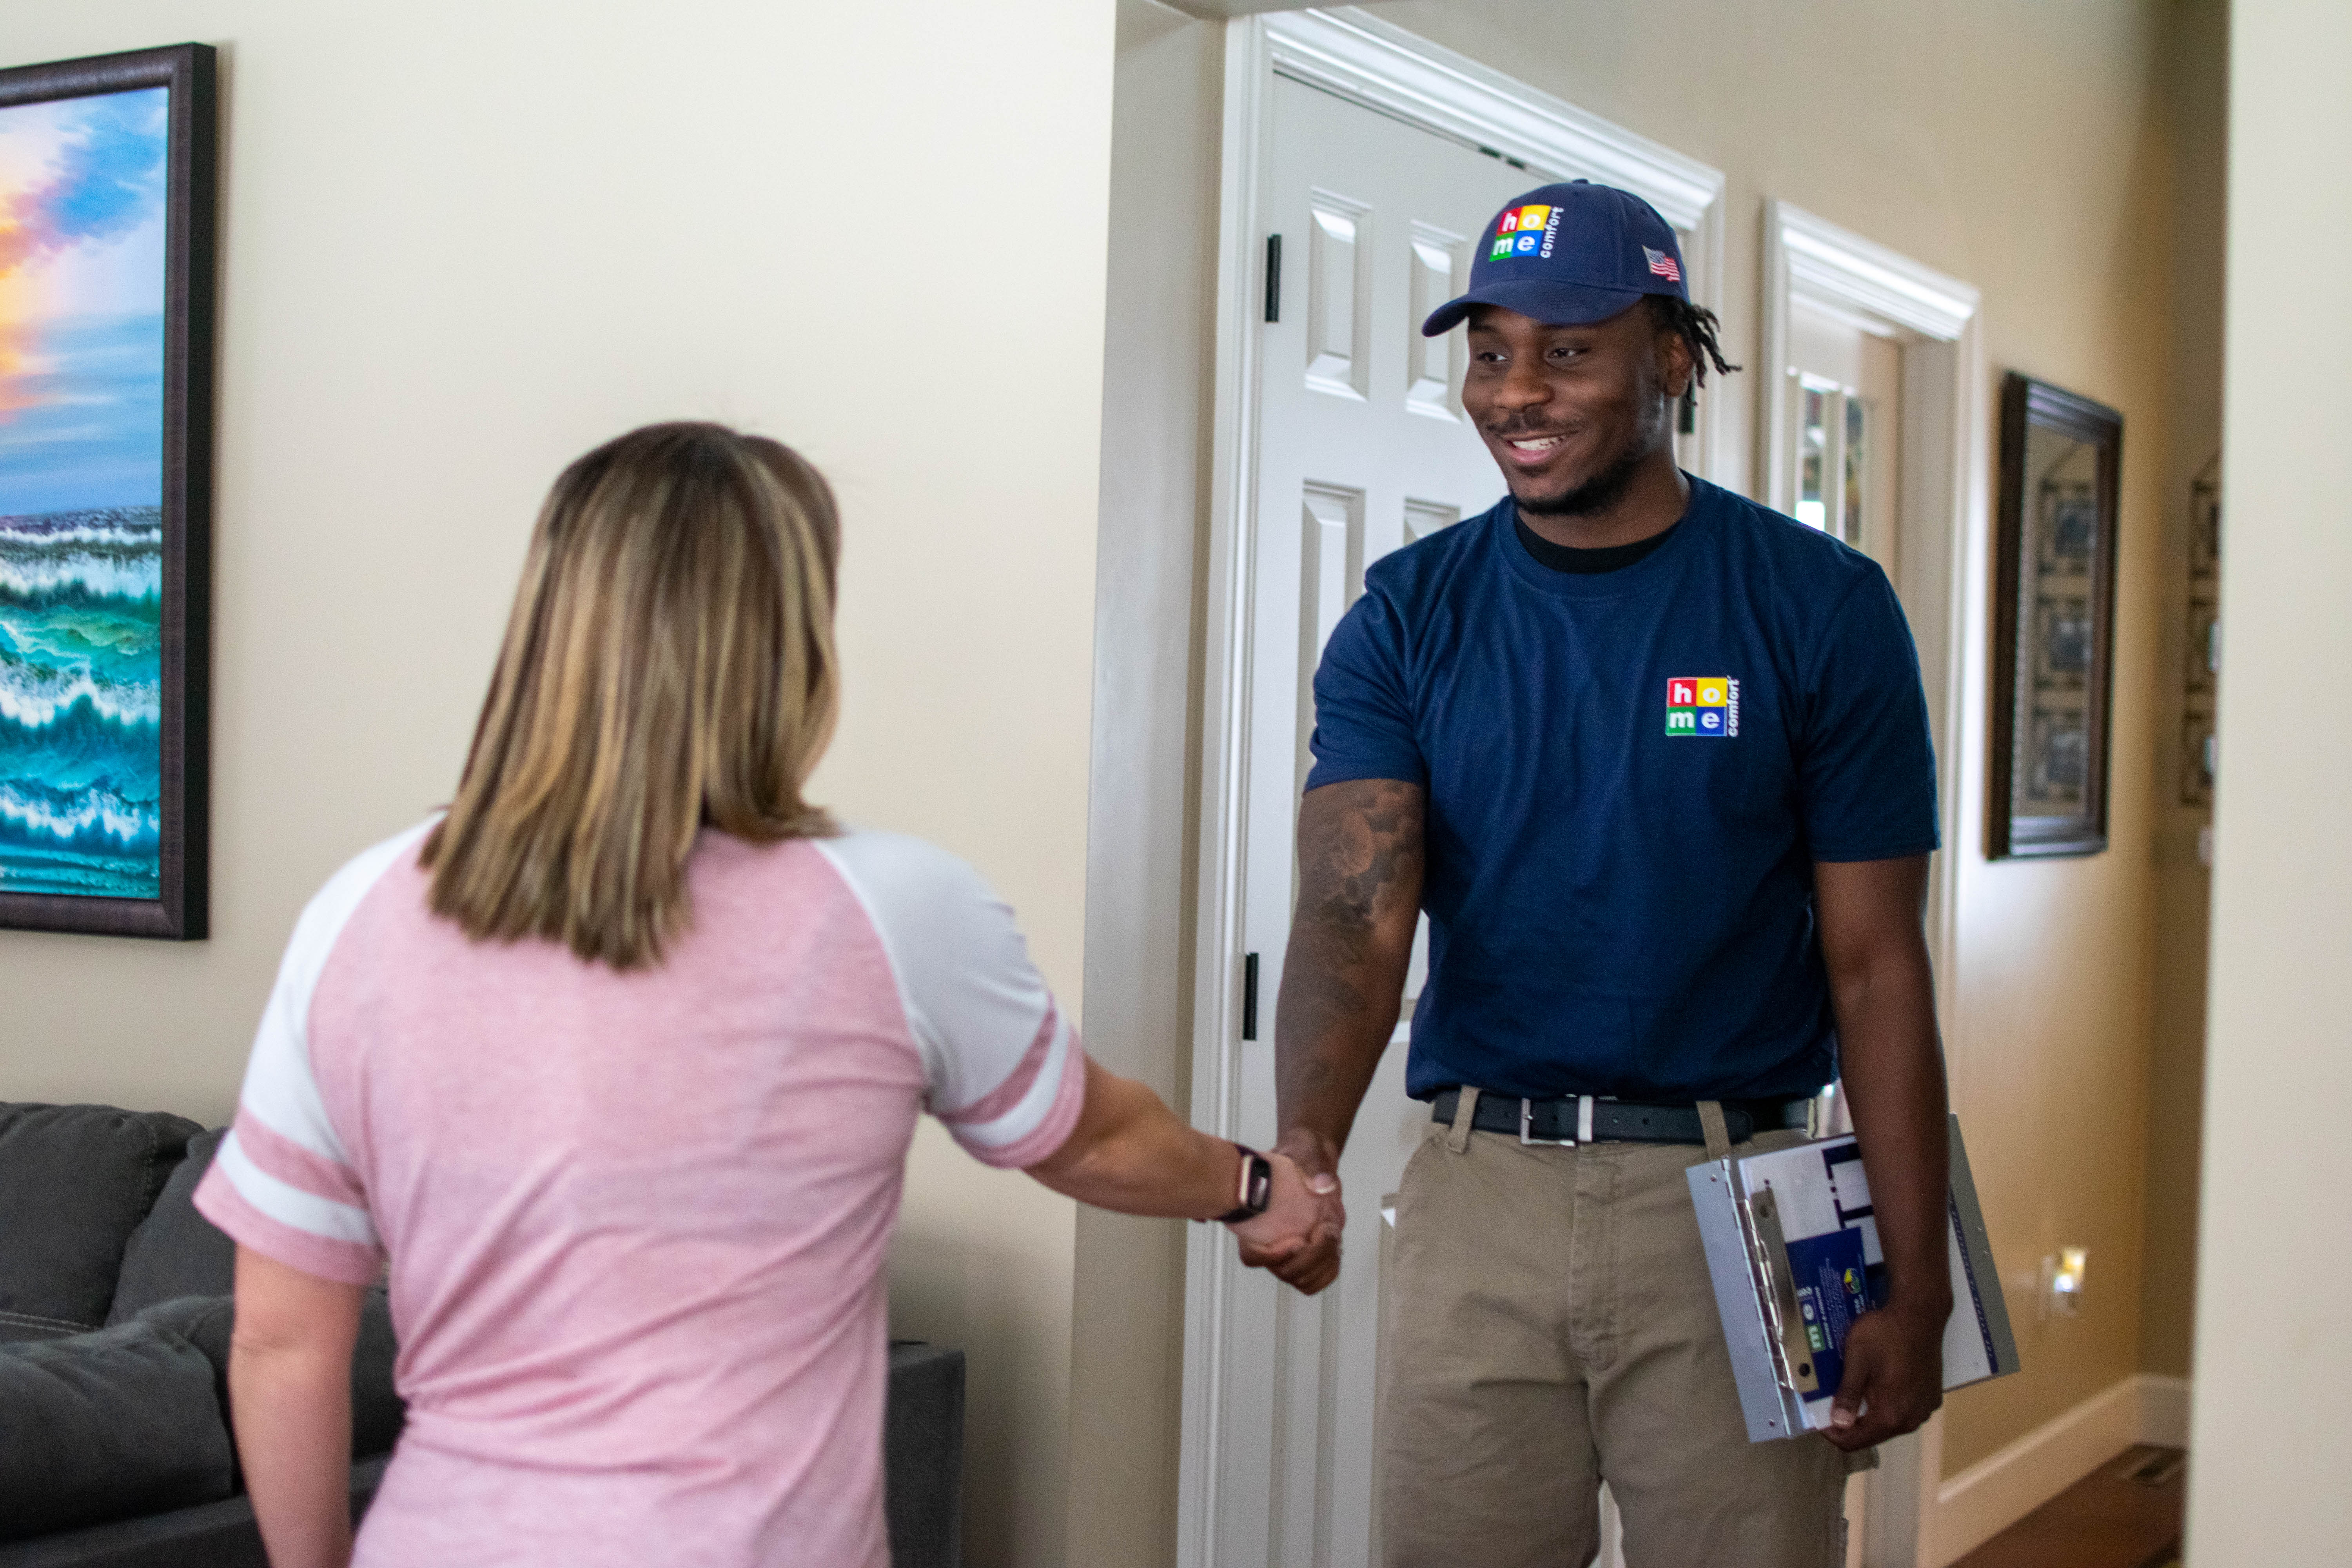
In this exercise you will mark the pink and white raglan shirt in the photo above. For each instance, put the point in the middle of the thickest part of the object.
(636, 1223)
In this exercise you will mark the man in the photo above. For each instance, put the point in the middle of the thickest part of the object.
(1656, 762)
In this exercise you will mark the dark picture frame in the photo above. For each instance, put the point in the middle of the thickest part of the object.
(2053, 621)
(188, 72)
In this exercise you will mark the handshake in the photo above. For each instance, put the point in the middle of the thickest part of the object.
(1298, 1236)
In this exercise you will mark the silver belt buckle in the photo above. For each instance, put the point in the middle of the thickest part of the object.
(1527, 1118)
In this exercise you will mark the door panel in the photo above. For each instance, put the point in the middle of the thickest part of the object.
(1440, 264)
(1331, 575)
(1337, 328)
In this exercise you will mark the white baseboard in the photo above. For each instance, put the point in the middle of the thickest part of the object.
(2163, 1410)
(2004, 1487)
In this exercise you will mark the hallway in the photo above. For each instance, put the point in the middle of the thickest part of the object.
(2125, 1514)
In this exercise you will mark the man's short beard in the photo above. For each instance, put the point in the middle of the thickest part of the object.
(1596, 494)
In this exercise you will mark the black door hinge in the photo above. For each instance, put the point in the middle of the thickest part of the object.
(1274, 277)
(1249, 997)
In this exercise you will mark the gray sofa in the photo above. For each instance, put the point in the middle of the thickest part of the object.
(114, 1326)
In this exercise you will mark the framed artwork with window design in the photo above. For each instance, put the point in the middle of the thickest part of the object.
(2053, 621)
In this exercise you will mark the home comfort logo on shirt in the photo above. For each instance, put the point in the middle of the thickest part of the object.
(1524, 231)
(1707, 705)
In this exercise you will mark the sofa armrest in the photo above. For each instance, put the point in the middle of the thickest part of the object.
(922, 1449)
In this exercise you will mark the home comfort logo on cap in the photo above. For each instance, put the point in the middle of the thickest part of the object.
(1705, 706)
(1524, 231)
(1568, 255)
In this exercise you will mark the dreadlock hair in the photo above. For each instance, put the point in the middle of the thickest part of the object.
(1696, 326)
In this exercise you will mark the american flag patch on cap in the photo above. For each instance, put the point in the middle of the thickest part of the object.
(1662, 265)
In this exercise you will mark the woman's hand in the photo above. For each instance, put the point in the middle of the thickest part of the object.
(1302, 1211)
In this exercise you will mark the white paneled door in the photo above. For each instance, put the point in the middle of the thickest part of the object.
(1362, 448)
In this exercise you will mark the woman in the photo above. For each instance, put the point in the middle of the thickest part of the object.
(616, 1064)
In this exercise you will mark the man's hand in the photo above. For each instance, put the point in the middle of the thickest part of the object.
(1894, 1378)
(1300, 1229)
(1879, 983)
(1306, 1256)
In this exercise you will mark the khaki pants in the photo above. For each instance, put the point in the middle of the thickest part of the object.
(1550, 1325)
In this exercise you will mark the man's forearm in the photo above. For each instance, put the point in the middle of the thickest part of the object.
(1893, 1072)
(1332, 1023)
(1884, 994)
(1359, 859)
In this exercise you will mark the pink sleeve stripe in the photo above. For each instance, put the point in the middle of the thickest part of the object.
(1054, 1131)
(295, 1165)
(1016, 1085)
(345, 1262)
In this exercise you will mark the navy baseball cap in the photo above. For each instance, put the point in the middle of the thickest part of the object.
(1568, 255)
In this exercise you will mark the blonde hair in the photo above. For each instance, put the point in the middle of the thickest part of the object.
(668, 665)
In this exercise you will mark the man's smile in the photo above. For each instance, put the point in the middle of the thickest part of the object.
(1532, 450)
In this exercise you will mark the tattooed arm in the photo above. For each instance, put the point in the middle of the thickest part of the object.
(1359, 864)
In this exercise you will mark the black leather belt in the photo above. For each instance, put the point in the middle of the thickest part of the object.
(1590, 1119)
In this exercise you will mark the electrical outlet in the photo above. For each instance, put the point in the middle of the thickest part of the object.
(2062, 1274)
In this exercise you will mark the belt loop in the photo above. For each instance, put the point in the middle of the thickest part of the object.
(1465, 1110)
(1718, 1136)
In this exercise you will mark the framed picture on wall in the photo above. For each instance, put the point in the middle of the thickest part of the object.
(106, 376)
(2053, 621)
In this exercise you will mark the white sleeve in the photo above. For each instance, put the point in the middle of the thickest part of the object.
(1005, 1072)
(283, 1182)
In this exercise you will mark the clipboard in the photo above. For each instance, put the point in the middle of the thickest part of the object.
(1792, 1249)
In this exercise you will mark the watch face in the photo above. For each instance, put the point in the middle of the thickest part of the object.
(1261, 1184)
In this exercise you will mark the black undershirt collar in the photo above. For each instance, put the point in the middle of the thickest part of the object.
(1586, 563)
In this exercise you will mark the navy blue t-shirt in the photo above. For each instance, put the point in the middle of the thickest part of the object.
(1630, 775)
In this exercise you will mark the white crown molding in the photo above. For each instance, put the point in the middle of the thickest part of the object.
(1356, 54)
(1843, 268)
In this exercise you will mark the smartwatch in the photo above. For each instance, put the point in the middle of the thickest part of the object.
(1257, 1186)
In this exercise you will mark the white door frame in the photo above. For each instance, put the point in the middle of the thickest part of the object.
(1349, 52)
(1939, 532)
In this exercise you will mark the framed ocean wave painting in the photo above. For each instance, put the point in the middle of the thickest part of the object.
(106, 296)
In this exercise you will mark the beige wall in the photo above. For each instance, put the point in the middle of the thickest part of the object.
(2198, 84)
(2024, 148)
(460, 244)
(2274, 1361)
